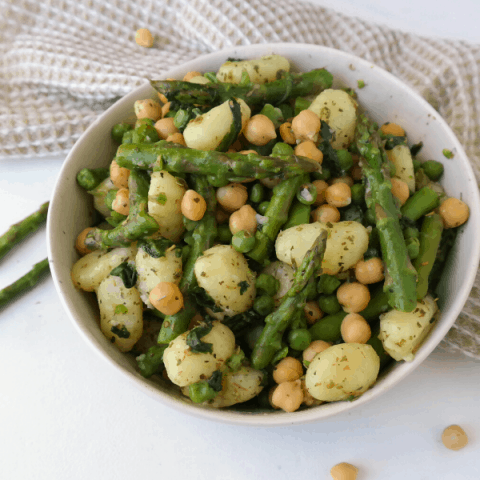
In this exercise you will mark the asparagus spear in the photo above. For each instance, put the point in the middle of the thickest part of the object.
(26, 282)
(16, 233)
(231, 167)
(270, 340)
(90, 178)
(277, 215)
(400, 276)
(420, 203)
(430, 236)
(276, 92)
(138, 223)
(203, 236)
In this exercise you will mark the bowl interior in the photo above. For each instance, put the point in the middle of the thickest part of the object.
(384, 97)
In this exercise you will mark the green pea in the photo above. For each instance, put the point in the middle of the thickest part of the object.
(311, 289)
(433, 169)
(329, 304)
(224, 235)
(369, 217)
(307, 194)
(345, 159)
(110, 197)
(353, 213)
(201, 392)
(413, 247)
(182, 117)
(417, 164)
(281, 148)
(287, 110)
(411, 232)
(299, 339)
(119, 130)
(145, 134)
(262, 208)
(267, 283)
(358, 194)
(328, 328)
(144, 121)
(264, 305)
(273, 113)
(301, 104)
(127, 137)
(327, 284)
(257, 193)
(243, 241)
(325, 174)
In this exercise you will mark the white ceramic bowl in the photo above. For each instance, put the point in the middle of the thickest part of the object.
(385, 98)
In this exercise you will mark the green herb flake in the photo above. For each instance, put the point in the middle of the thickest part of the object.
(215, 381)
(162, 199)
(236, 360)
(447, 153)
(120, 331)
(121, 309)
(127, 273)
(243, 287)
(194, 339)
(360, 83)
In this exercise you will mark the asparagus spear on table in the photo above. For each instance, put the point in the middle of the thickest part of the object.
(276, 92)
(270, 340)
(400, 276)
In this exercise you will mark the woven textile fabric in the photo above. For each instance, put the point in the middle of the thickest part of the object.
(63, 62)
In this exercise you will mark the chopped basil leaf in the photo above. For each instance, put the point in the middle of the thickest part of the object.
(194, 339)
(121, 309)
(155, 248)
(415, 149)
(447, 153)
(243, 287)
(215, 381)
(204, 300)
(127, 273)
(393, 141)
(120, 332)
(360, 83)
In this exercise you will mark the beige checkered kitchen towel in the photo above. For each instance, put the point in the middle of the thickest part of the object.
(63, 62)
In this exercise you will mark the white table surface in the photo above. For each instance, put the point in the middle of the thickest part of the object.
(65, 414)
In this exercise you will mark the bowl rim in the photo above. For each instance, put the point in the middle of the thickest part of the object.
(274, 418)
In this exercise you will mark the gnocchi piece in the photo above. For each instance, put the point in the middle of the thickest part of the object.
(224, 274)
(285, 274)
(211, 130)
(339, 110)
(99, 193)
(260, 70)
(185, 367)
(152, 271)
(401, 157)
(341, 371)
(402, 333)
(121, 313)
(164, 204)
(238, 387)
(346, 244)
(93, 268)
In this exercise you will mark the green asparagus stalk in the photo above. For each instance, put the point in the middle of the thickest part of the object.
(149, 363)
(299, 214)
(203, 237)
(400, 276)
(138, 223)
(276, 92)
(277, 215)
(270, 340)
(430, 236)
(24, 283)
(420, 203)
(229, 167)
(16, 233)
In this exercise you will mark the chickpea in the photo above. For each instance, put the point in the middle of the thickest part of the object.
(147, 108)
(82, 249)
(243, 219)
(270, 396)
(354, 297)
(321, 186)
(356, 173)
(246, 152)
(308, 400)
(312, 312)
(193, 205)
(119, 175)
(259, 130)
(188, 76)
(348, 180)
(288, 396)
(454, 212)
(167, 298)
(287, 370)
(163, 98)
(306, 125)
(338, 195)
(369, 271)
(454, 437)
(165, 127)
(286, 133)
(176, 138)
(326, 214)
(309, 149)
(344, 471)
(392, 129)
(400, 190)
(121, 204)
(317, 346)
(355, 329)
(144, 37)
(166, 106)
(221, 216)
(232, 197)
